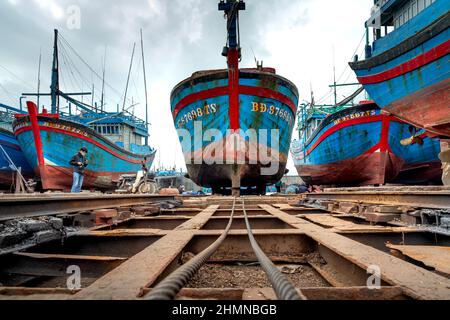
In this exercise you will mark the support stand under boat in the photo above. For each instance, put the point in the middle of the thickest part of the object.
(21, 185)
(445, 159)
(236, 180)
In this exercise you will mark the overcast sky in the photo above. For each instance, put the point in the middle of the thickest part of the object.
(300, 38)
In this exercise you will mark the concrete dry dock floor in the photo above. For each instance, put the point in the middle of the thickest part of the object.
(326, 257)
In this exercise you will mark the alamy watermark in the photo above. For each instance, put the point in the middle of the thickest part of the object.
(374, 280)
(73, 21)
(74, 278)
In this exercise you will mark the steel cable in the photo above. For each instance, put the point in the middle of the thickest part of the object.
(284, 289)
(172, 284)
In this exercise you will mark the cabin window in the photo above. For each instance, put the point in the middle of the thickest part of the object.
(409, 11)
(414, 8)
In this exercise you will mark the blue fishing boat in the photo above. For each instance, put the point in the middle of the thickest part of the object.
(407, 70)
(420, 154)
(235, 125)
(11, 155)
(360, 145)
(117, 141)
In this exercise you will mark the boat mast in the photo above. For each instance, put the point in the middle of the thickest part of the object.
(128, 79)
(54, 88)
(103, 82)
(92, 99)
(55, 92)
(39, 78)
(233, 53)
(334, 76)
(145, 87)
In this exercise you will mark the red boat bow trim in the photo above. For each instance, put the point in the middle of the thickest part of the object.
(76, 135)
(383, 145)
(233, 88)
(33, 112)
(202, 95)
(411, 65)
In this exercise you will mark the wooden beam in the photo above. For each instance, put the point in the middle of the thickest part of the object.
(129, 279)
(415, 281)
(329, 293)
(344, 226)
(67, 257)
(432, 256)
(23, 291)
(128, 233)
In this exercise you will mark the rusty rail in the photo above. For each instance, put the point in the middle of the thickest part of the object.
(171, 286)
(12, 207)
(434, 199)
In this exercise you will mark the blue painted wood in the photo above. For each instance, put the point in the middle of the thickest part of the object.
(277, 116)
(107, 161)
(411, 27)
(419, 96)
(344, 137)
(12, 148)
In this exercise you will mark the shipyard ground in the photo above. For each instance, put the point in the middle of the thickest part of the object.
(342, 244)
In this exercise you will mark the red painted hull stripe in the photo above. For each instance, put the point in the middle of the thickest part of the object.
(411, 65)
(79, 136)
(268, 93)
(223, 91)
(202, 95)
(348, 123)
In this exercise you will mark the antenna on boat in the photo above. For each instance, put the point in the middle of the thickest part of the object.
(93, 93)
(55, 92)
(55, 76)
(334, 76)
(145, 87)
(128, 79)
(39, 77)
(103, 82)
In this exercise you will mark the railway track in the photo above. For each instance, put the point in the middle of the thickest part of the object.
(234, 248)
(35, 205)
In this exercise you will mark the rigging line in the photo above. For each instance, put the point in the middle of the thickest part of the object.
(72, 66)
(351, 58)
(77, 80)
(325, 97)
(134, 79)
(137, 85)
(28, 85)
(62, 77)
(83, 79)
(73, 80)
(128, 77)
(351, 73)
(8, 94)
(90, 68)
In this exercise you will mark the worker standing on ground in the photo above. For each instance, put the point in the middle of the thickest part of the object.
(79, 163)
(140, 175)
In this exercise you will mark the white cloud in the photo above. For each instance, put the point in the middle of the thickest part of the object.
(52, 7)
